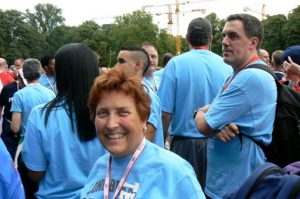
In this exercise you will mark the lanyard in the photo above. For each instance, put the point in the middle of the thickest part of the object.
(52, 87)
(154, 89)
(230, 80)
(130, 165)
(201, 47)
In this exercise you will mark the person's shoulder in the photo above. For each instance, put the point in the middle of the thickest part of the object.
(38, 110)
(46, 90)
(166, 158)
(11, 85)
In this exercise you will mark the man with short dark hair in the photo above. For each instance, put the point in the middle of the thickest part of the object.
(48, 79)
(191, 80)
(244, 108)
(135, 61)
(277, 65)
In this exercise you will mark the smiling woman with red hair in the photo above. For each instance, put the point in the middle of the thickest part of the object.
(135, 167)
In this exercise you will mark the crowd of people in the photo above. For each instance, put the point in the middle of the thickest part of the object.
(73, 130)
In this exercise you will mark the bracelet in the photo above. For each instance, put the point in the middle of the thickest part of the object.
(196, 111)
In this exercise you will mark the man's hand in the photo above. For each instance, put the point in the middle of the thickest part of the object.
(291, 67)
(228, 133)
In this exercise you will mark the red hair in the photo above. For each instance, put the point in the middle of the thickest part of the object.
(117, 80)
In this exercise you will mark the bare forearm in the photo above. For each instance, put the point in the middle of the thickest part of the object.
(150, 132)
(201, 123)
(166, 119)
(16, 122)
(35, 176)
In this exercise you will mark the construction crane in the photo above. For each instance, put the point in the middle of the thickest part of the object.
(262, 12)
(177, 12)
(170, 18)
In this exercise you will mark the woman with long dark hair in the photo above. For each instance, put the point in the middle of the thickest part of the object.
(61, 147)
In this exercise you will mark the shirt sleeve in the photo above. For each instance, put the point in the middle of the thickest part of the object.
(32, 152)
(167, 88)
(17, 104)
(188, 186)
(154, 113)
(227, 108)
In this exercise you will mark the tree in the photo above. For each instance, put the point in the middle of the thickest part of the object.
(165, 43)
(292, 28)
(131, 30)
(58, 37)
(18, 39)
(45, 18)
(217, 27)
(91, 34)
(273, 33)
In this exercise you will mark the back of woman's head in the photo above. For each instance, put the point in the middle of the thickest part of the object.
(76, 67)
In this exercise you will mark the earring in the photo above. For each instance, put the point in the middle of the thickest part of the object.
(145, 128)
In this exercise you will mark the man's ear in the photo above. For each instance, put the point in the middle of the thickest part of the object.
(138, 67)
(253, 43)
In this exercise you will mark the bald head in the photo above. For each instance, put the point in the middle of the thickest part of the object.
(264, 55)
(3, 64)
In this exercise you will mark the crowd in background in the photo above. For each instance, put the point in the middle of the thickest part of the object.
(73, 130)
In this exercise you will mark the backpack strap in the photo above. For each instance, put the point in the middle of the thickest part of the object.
(289, 187)
(278, 85)
(254, 180)
(295, 192)
(268, 70)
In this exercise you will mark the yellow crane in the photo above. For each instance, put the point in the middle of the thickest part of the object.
(177, 12)
(262, 12)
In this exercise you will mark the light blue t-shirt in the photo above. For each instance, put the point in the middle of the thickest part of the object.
(152, 82)
(157, 173)
(155, 116)
(158, 76)
(190, 81)
(10, 182)
(27, 98)
(159, 73)
(48, 81)
(249, 101)
(57, 150)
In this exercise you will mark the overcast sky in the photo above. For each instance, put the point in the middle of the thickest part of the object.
(75, 12)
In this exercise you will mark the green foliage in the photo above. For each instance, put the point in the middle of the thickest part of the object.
(91, 34)
(133, 29)
(58, 37)
(34, 34)
(292, 28)
(217, 27)
(165, 43)
(273, 33)
(45, 18)
(18, 38)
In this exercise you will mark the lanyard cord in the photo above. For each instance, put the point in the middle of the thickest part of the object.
(130, 165)
(230, 80)
(154, 89)
(52, 86)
